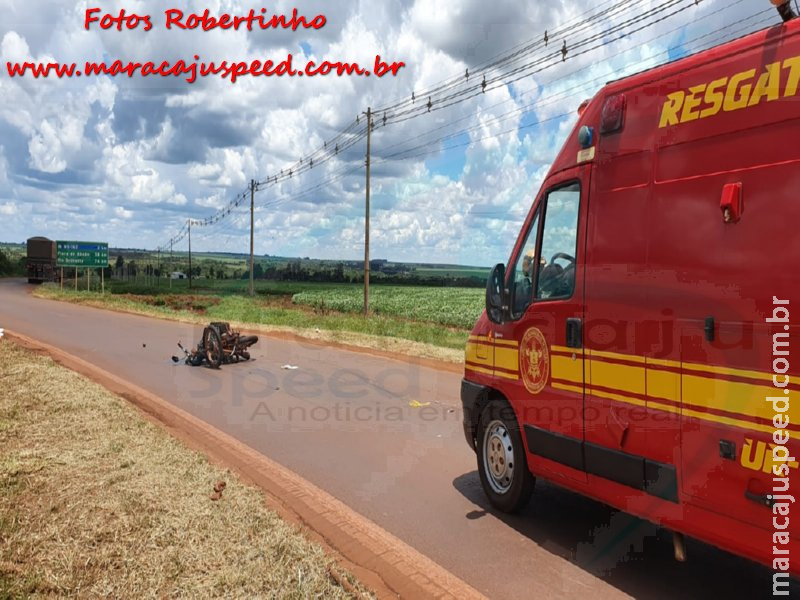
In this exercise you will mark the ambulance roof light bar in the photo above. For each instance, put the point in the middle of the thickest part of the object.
(784, 9)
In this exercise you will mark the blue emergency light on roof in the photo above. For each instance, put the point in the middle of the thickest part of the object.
(586, 136)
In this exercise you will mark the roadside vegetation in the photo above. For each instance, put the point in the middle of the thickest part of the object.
(97, 502)
(423, 310)
(453, 307)
(12, 261)
(433, 316)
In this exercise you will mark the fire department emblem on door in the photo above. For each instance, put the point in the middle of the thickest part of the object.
(534, 360)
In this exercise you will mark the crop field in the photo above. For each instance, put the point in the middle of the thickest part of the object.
(448, 306)
(453, 272)
(440, 318)
(453, 307)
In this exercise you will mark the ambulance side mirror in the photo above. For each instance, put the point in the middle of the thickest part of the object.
(496, 305)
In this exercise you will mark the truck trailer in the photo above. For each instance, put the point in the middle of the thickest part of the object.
(41, 260)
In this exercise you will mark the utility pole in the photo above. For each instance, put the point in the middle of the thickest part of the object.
(170, 264)
(190, 254)
(366, 218)
(252, 229)
(158, 279)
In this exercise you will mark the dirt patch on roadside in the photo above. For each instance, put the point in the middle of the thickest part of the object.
(198, 304)
(282, 301)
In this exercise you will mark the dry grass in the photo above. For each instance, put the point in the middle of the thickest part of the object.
(97, 502)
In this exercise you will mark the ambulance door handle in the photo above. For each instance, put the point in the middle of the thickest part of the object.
(763, 499)
(574, 333)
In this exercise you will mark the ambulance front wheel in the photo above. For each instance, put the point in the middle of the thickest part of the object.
(502, 467)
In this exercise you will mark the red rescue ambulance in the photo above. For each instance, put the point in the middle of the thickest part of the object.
(637, 348)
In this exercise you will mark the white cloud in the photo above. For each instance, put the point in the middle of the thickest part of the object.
(122, 213)
(14, 47)
(3, 166)
(139, 156)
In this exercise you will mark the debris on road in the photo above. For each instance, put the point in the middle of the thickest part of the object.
(220, 345)
(418, 404)
(290, 367)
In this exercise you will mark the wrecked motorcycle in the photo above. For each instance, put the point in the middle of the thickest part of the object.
(220, 345)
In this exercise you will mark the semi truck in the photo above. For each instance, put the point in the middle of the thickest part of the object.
(41, 260)
(637, 346)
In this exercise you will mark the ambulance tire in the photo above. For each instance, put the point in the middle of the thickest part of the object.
(502, 467)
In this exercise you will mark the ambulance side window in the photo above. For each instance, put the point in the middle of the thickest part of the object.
(522, 293)
(556, 276)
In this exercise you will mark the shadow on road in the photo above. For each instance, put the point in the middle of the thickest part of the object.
(633, 555)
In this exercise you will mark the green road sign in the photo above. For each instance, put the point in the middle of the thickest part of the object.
(81, 254)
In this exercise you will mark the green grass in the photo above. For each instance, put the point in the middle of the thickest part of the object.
(440, 317)
(242, 309)
(453, 307)
(218, 286)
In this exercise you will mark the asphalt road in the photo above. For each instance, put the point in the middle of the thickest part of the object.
(385, 437)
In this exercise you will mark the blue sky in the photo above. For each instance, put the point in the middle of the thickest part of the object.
(128, 161)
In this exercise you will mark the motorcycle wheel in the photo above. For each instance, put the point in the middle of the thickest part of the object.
(212, 345)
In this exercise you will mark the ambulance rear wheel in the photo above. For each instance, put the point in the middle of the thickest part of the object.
(502, 467)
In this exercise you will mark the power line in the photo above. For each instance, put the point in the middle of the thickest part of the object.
(505, 79)
(523, 48)
(539, 103)
(424, 149)
(357, 130)
(353, 134)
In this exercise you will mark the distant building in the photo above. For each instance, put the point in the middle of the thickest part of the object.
(178, 275)
(377, 264)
